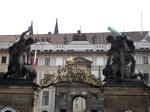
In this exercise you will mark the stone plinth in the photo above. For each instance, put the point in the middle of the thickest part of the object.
(19, 96)
(125, 97)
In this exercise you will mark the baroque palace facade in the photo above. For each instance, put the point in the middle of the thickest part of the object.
(89, 50)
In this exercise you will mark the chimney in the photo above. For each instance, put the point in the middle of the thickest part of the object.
(49, 33)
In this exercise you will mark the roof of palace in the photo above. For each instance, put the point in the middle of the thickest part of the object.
(100, 38)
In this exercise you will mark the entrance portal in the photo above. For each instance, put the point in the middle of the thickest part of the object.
(79, 104)
(75, 89)
(77, 97)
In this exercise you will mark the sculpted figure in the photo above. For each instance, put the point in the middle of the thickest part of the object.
(79, 36)
(112, 65)
(119, 48)
(120, 55)
(17, 56)
(128, 49)
(29, 72)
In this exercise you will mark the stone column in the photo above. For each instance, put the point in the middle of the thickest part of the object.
(88, 102)
(57, 108)
(70, 103)
(100, 103)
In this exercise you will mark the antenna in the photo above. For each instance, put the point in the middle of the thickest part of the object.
(80, 27)
(141, 25)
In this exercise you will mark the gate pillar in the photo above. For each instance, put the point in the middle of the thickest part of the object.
(22, 97)
(123, 98)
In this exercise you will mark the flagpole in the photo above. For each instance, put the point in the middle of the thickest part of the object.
(35, 55)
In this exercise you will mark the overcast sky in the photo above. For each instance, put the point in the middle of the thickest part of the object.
(91, 15)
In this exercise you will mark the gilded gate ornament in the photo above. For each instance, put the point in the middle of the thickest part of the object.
(71, 73)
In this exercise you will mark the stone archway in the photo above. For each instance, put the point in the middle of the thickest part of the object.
(66, 93)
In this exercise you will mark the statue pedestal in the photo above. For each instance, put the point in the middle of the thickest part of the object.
(126, 97)
(18, 96)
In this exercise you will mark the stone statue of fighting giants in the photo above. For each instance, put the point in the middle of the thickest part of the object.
(121, 62)
(18, 67)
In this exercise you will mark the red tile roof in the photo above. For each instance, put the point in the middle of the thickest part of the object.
(59, 38)
(7, 38)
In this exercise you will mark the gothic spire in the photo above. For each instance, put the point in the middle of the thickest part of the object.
(56, 28)
(31, 28)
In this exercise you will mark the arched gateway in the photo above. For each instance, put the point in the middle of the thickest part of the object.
(71, 84)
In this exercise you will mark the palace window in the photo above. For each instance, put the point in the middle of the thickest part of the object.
(47, 61)
(45, 98)
(3, 59)
(144, 60)
(146, 77)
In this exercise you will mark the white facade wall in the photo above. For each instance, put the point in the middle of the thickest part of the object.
(55, 61)
(59, 61)
(100, 61)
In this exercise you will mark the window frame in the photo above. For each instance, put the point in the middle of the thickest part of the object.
(146, 77)
(4, 59)
(45, 98)
(47, 61)
(144, 60)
